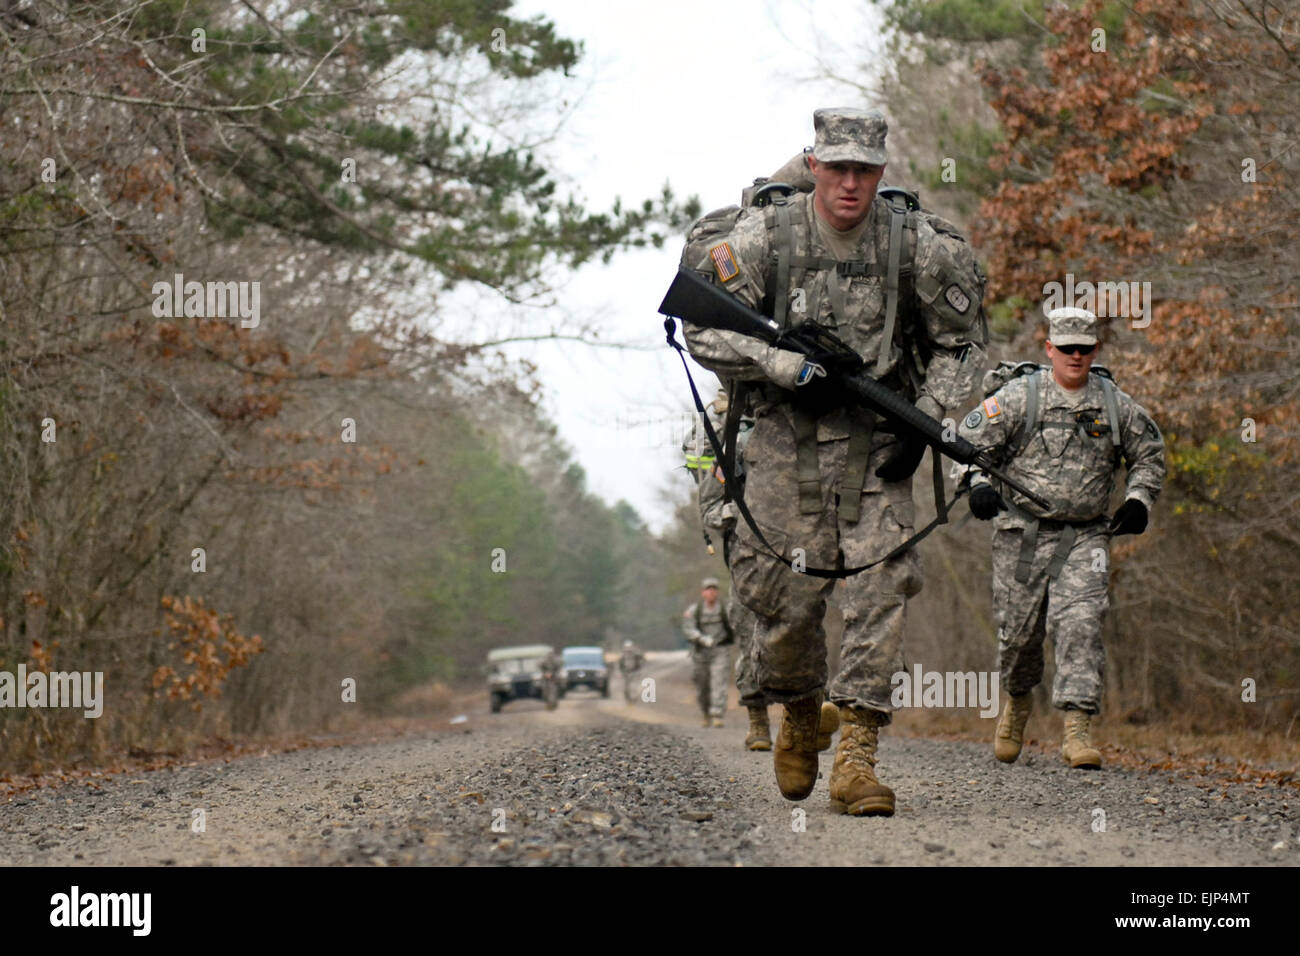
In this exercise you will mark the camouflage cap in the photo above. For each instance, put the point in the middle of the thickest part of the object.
(1071, 326)
(709, 583)
(846, 135)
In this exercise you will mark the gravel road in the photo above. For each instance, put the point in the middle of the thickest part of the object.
(601, 782)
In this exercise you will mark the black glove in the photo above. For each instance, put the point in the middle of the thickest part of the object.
(985, 503)
(837, 363)
(903, 462)
(1131, 518)
(814, 393)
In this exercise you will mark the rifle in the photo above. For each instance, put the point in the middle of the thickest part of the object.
(694, 299)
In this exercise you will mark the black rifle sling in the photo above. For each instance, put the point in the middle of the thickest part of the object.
(670, 327)
(737, 398)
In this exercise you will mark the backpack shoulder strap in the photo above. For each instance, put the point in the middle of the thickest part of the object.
(897, 215)
(784, 250)
(1033, 384)
(1112, 410)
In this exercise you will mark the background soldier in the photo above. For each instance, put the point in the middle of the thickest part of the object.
(711, 638)
(630, 663)
(719, 516)
(1061, 432)
(550, 666)
(824, 478)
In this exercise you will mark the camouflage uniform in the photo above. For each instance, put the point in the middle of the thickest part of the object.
(720, 517)
(932, 357)
(629, 663)
(1056, 586)
(711, 654)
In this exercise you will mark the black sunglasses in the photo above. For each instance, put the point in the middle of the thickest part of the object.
(1075, 349)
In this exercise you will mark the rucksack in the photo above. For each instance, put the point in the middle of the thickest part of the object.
(1004, 372)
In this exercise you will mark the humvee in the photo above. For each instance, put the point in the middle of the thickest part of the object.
(515, 673)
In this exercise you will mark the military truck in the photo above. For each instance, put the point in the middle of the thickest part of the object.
(515, 673)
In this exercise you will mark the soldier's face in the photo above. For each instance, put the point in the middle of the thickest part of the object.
(710, 595)
(844, 190)
(1071, 368)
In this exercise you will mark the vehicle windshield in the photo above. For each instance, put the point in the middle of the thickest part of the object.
(517, 665)
(588, 659)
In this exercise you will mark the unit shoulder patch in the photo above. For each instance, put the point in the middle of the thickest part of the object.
(958, 299)
(973, 419)
(724, 261)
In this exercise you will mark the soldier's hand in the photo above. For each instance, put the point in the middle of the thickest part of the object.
(985, 503)
(1131, 518)
(904, 461)
(815, 393)
(706, 641)
(841, 363)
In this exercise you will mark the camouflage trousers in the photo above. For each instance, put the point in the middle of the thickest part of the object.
(788, 654)
(1070, 610)
(632, 685)
(712, 668)
(743, 623)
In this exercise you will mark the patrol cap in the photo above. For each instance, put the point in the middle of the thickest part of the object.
(846, 135)
(1071, 326)
(709, 583)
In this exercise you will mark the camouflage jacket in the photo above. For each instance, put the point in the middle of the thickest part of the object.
(711, 623)
(944, 320)
(1071, 459)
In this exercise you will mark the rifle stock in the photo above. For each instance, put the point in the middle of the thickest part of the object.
(694, 299)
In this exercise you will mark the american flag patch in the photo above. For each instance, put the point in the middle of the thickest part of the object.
(991, 408)
(724, 262)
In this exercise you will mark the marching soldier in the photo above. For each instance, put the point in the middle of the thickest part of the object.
(711, 637)
(1063, 431)
(719, 517)
(827, 481)
(630, 663)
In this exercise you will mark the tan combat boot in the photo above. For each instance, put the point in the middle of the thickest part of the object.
(854, 787)
(795, 756)
(827, 724)
(717, 722)
(1076, 747)
(1010, 735)
(760, 732)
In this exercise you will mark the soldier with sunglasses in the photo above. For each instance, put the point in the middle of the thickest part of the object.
(1063, 431)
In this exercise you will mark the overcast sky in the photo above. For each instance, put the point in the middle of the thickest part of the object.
(705, 95)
